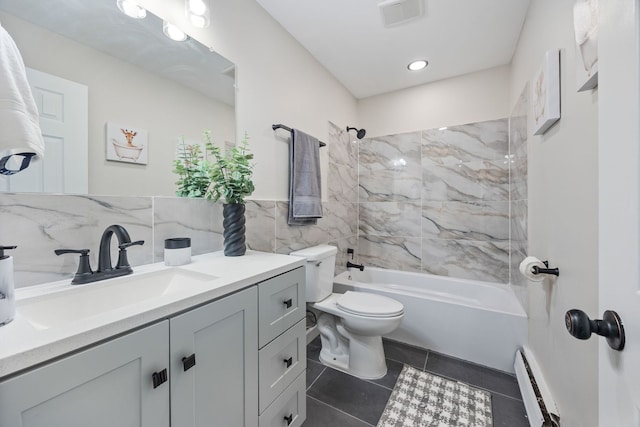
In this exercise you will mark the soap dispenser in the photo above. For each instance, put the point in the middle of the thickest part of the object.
(7, 297)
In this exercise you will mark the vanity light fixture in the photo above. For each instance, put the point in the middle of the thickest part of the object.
(173, 32)
(131, 9)
(198, 13)
(418, 65)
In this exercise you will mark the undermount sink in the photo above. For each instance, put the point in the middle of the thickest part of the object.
(83, 301)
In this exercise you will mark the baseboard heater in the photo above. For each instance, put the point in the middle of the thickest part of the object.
(538, 402)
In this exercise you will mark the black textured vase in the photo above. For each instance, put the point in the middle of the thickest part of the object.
(234, 230)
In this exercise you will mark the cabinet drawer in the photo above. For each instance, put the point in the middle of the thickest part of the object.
(290, 408)
(281, 304)
(281, 361)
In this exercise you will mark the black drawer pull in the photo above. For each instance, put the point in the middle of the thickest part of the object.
(288, 302)
(189, 362)
(289, 419)
(159, 378)
(288, 362)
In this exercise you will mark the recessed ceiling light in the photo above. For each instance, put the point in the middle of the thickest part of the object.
(417, 65)
(443, 128)
(131, 8)
(173, 32)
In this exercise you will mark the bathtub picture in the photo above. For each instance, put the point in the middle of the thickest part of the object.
(126, 144)
(545, 95)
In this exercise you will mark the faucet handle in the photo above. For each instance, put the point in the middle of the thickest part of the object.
(129, 244)
(71, 251)
(84, 265)
(123, 261)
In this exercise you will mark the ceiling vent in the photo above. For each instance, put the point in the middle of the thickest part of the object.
(395, 12)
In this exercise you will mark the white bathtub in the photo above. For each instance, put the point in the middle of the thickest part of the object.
(476, 321)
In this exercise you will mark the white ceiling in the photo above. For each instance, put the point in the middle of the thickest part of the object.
(348, 37)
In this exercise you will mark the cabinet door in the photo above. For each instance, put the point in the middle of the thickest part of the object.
(221, 389)
(282, 304)
(104, 386)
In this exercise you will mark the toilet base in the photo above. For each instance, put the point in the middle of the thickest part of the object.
(342, 365)
(357, 355)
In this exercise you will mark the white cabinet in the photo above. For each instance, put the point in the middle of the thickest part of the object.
(221, 389)
(104, 386)
(112, 384)
(282, 355)
(202, 367)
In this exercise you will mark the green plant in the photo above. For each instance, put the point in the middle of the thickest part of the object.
(227, 178)
(193, 171)
(231, 174)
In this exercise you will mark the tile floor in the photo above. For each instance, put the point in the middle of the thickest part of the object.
(336, 399)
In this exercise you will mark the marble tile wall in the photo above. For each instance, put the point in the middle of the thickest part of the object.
(38, 224)
(437, 201)
(390, 193)
(519, 194)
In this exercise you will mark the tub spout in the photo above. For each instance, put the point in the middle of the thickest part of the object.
(352, 265)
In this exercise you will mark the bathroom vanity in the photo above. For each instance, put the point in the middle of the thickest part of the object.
(220, 341)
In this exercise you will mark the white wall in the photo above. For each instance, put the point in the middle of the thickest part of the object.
(130, 96)
(469, 98)
(278, 82)
(563, 215)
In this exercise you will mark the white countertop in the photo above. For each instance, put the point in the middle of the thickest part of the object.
(23, 344)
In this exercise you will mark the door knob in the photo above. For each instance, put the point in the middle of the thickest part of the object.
(580, 326)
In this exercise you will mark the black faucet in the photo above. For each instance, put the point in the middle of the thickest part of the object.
(124, 241)
(105, 268)
(358, 266)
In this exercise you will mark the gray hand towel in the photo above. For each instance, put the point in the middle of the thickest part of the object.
(305, 198)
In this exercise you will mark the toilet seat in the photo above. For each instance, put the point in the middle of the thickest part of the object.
(370, 305)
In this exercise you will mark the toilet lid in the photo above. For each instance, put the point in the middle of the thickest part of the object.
(366, 304)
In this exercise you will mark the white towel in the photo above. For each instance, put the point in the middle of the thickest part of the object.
(20, 135)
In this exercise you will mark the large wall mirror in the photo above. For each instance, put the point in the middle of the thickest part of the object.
(134, 77)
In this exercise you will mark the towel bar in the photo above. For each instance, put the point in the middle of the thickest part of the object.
(288, 129)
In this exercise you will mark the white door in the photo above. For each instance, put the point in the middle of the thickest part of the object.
(63, 110)
(619, 221)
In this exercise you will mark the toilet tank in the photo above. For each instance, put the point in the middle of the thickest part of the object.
(320, 269)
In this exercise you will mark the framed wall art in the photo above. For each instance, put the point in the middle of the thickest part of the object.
(585, 24)
(545, 93)
(126, 144)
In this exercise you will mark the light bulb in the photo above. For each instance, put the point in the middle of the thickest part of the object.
(131, 9)
(197, 12)
(197, 7)
(198, 21)
(173, 32)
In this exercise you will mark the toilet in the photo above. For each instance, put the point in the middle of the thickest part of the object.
(351, 325)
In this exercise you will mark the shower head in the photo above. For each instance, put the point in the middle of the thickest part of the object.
(360, 132)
